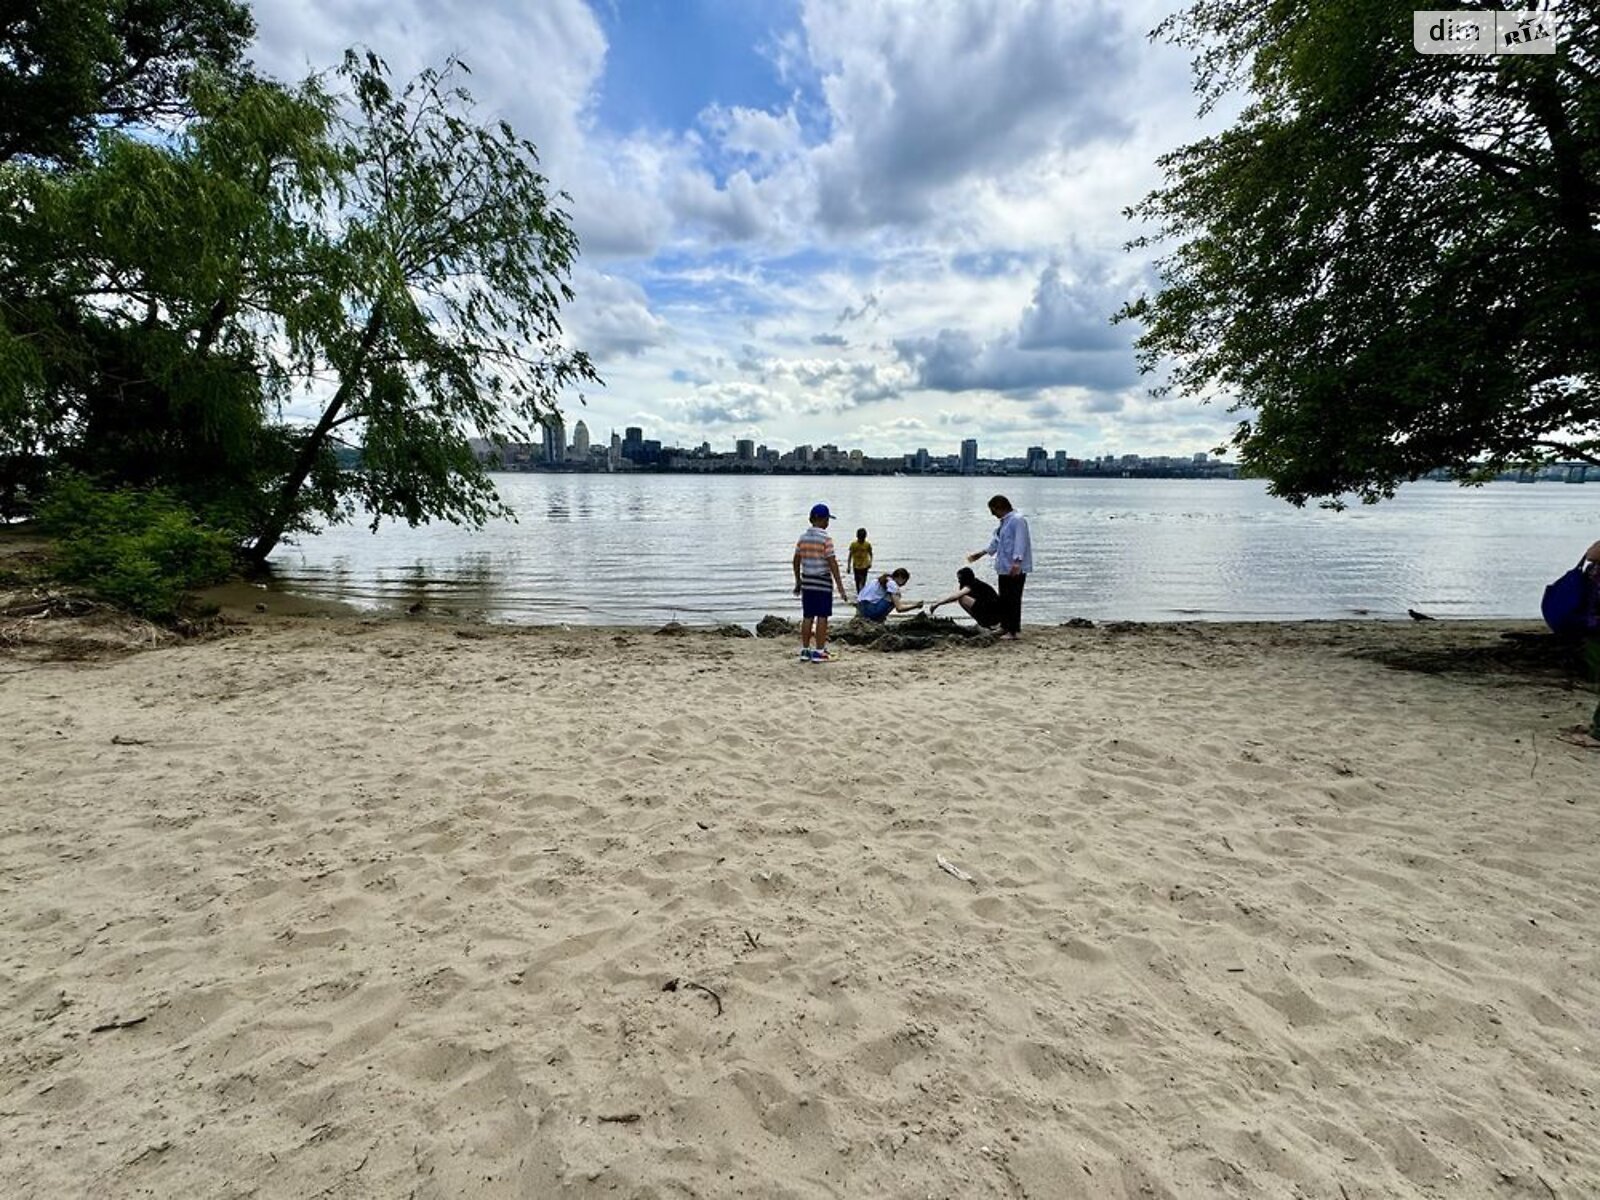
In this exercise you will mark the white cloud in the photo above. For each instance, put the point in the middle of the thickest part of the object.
(1072, 315)
(840, 382)
(1063, 339)
(734, 212)
(536, 65)
(611, 316)
(769, 138)
(924, 97)
(736, 403)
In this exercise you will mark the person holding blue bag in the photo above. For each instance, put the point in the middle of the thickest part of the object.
(1571, 608)
(1591, 570)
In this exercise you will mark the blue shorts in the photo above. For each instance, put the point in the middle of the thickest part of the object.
(875, 610)
(814, 602)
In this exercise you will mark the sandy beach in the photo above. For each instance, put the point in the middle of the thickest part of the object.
(346, 908)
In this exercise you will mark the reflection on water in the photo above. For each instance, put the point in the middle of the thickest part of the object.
(618, 549)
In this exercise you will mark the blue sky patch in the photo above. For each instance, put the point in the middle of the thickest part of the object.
(669, 60)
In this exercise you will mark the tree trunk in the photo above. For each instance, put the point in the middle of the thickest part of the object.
(271, 532)
(212, 325)
(1575, 191)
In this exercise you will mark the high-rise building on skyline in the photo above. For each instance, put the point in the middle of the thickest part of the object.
(969, 456)
(580, 441)
(633, 443)
(555, 438)
(745, 449)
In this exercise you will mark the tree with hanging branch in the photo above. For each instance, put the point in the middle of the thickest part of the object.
(164, 300)
(438, 314)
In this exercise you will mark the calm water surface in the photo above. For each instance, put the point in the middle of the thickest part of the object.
(640, 549)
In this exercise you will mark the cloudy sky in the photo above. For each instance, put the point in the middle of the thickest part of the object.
(877, 224)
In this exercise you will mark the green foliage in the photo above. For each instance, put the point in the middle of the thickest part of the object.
(144, 292)
(1390, 263)
(67, 66)
(140, 550)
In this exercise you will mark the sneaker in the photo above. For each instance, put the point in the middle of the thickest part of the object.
(805, 653)
(821, 656)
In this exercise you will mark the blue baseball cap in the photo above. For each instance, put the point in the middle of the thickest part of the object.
(820, 510)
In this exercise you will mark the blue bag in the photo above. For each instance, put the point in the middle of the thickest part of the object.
(1569, 604)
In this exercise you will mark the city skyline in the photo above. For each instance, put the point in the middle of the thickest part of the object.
(845, 227)
(632, 450)
(727, 444)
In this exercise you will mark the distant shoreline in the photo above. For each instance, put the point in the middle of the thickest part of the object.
(1230, 475)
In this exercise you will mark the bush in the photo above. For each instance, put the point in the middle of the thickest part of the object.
(140, 550)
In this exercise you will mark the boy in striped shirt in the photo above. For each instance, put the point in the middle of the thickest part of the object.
(816, 574)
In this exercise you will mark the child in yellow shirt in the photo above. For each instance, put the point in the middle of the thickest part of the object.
(860, 559)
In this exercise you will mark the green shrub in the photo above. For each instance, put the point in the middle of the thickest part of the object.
(140, 550)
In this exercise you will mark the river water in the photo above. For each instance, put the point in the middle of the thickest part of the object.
(645, 549)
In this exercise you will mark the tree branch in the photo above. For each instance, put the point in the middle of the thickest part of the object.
(1588, 456)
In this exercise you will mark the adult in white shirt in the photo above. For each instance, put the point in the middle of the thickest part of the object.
(883, 596)
(1013, 562)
